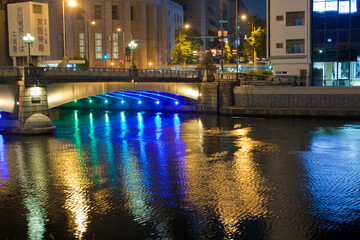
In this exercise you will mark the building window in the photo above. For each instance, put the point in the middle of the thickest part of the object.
(279, 45)
(115, 46)
(279, 18)
(97, 11)
(98, 45)
(132, 14)
(295, 46)
(295, 18)
(82, 45)
(115, 14)
(37, 9)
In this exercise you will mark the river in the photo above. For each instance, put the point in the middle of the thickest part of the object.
(151, 175)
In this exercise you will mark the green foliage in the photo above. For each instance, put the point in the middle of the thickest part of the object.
(227, 53)
(183, 50)
(257, 42)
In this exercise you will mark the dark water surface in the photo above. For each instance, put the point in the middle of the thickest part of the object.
(146, 175)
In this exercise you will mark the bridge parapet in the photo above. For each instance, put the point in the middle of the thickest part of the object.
(10, 74)
(51, 75)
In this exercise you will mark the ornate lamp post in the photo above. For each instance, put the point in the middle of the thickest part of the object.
(28, 39)
(132, 46)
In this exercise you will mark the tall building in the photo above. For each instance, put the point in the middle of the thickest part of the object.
(205, 16)
(151, 24)
(317, 38)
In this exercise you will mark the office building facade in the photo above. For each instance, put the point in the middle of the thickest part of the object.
(151, 23)
(316, 38)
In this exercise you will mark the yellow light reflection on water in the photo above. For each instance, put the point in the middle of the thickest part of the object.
(71, 175)
(236, 188)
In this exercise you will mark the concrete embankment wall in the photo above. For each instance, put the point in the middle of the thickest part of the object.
(295, 101)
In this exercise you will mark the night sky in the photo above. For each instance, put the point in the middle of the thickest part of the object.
(256, 7)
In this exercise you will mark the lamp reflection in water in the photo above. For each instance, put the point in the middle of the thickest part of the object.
(235, 188)
(133, 186)
(4, 172)
(69, 169)
(36, 216)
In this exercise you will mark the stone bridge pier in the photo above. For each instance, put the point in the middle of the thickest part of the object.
(33, 111)
(27, 112)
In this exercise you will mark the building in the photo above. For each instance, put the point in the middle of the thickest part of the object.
(289, 42)
(316, 38)
(28, 18)
(150, 23)
(3, 43)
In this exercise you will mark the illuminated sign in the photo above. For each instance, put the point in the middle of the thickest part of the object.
(341, 6)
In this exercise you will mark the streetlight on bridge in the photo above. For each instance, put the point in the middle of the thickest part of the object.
(28, 39)
(132, 46)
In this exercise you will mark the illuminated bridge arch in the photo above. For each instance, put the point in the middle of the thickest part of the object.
(62, 93)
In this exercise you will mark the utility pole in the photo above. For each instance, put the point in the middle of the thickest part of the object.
(236, 39)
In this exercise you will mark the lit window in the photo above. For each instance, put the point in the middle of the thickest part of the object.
(295, 18)
(82, 45)
(115, 46)
(295, 46)
(98, 45)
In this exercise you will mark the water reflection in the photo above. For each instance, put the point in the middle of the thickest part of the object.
(175, 176)
(333, 169)
(4, 172)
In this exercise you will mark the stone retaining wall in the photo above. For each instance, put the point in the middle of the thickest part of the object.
(297, 97)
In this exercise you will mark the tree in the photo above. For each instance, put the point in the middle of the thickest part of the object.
(194, 37)
(257, 41)
(182, 50)
(227, 53)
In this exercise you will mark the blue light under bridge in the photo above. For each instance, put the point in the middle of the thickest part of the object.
(135, 100)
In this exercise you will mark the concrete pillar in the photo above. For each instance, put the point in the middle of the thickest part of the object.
(152, 29)
(33, 112)
(141, 33)
(108, 29)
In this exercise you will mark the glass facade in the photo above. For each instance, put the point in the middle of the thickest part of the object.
(336, 42)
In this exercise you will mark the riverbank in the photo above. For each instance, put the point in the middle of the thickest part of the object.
(288, 101)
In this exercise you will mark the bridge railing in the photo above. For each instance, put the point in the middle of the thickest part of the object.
(152, 73)
(10, 72)
(86, 72)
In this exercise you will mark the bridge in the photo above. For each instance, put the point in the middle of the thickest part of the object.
(27, 94)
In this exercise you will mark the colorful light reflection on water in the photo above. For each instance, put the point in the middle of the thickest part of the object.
(153, 175)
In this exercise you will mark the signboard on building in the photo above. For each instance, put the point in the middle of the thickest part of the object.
(24, 18)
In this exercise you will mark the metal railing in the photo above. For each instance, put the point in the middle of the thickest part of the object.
(9, 72)
(270, 80)
(114, 73)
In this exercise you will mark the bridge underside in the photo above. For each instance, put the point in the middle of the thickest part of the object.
(62, 93)
(8, 97)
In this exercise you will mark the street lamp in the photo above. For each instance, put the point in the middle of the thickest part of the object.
(249, 39)
(71, 3)
(132, 46)
(123, 43)
(28, 39)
